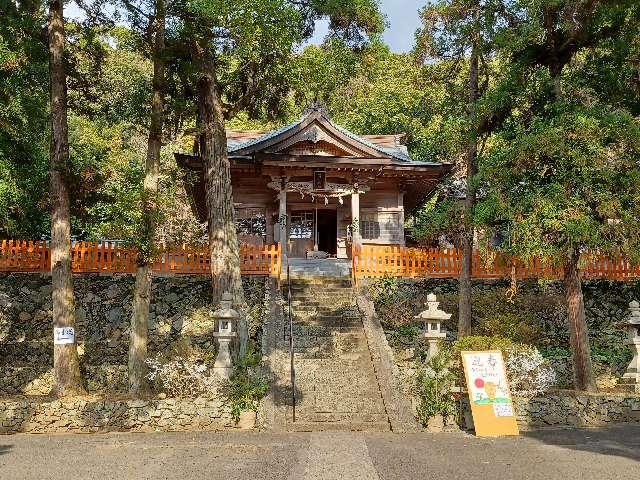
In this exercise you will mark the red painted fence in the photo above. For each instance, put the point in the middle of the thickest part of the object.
(368, 261)
(386, 260)
(88, 257)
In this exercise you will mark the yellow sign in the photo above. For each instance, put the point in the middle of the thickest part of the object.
(489, 394)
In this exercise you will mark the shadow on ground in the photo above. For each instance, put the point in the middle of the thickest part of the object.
(616, 440)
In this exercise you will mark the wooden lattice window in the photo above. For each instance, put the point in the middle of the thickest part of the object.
(251, 222)
(301, 225)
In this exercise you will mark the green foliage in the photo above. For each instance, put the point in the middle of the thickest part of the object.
(434, 218)
(254, 292)
(24, 127)
(393, 301)
(479, 342)
(321, 71)
(245, 387)
(109, 80)
(520, 327)
(568, 178)
(434, 382)
(390, 94)
(398, 301)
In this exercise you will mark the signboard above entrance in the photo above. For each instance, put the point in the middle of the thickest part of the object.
(319, 180)
(489, 395)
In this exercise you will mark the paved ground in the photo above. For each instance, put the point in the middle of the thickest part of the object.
(612, 453)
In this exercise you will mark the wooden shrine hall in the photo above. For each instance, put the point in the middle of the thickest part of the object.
(317, 188)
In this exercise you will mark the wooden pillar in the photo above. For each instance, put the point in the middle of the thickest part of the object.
(401, 217)
(269, 225)
(282, 222)
(355, 220)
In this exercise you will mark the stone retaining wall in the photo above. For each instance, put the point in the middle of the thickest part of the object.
(91, 415)
(573, 409)
(179, 314)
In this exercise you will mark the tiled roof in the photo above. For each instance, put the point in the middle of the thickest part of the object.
(386, 144)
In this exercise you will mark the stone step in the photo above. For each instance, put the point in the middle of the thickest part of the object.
(344, 400)
(304, 272)
(321, 329)
(333, 283)
(336, 385)
(352, 426)
(317, 290)
(330, 417)
(325, 319)
(329, 299)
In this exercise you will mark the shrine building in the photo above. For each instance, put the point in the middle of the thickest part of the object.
(317, 188)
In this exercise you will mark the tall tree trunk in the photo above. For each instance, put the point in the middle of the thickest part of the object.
(465, 313)
(583, 378)
(223, 240)
(66, 364)
(144, 275)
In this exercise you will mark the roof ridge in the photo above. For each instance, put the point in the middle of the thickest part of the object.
(395, 152)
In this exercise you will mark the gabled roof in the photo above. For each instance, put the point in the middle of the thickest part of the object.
(316, 126)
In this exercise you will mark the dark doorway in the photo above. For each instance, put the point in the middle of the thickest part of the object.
(328, 231)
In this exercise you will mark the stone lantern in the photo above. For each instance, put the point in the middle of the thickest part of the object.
(432, 318)
(632, 326)
(226, 317)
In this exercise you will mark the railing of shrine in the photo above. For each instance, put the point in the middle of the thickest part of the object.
(112, 257)
(386, 260)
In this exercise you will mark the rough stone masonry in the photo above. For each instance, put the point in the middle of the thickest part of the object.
(179, 311)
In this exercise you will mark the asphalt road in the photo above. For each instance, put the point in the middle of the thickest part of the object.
(611, 453)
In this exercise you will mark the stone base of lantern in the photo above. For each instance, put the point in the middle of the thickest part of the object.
(632, 375)
(433, 339)
(223, 365)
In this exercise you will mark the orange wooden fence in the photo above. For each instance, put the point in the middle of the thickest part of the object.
(87, 257)
(368, 261)
(386, 260)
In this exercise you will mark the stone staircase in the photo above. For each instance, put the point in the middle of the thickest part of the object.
(327, 267)
(336, 384)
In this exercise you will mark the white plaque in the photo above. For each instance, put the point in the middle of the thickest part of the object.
(64, 335)
(503, 409)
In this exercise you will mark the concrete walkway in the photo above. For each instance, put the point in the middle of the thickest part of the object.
(611, 453)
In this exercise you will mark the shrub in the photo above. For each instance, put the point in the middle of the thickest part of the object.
(393, 299)
(254, 293)
(528, 371)
(479, 342)
(246, 387)
(516, 326)
(434, 383)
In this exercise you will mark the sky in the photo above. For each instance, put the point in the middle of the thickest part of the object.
(402, 17)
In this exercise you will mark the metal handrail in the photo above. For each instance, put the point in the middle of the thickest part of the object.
(293, 370)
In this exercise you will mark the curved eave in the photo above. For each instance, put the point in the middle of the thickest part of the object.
(193, 162)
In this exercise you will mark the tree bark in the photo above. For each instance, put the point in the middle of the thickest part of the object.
(144, 275)
(583, 378)
(465, 313)
(223, 240)
(66, 363)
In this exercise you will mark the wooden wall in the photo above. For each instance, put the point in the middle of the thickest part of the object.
(383, 203)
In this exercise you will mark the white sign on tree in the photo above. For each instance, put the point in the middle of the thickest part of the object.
(64, 335)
